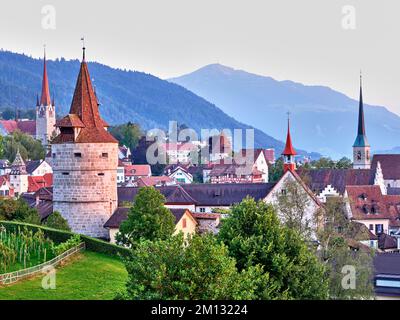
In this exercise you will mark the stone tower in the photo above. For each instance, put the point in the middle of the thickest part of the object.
(19, 175)
(45, 111)
(361, 148)
(288, 153)
(85, 160)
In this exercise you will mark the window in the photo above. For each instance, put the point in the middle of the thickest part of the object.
(54, 155)
(378, 228)
(184, 223)
(78, 155)
(203, 210)
(104, 155)
(100, 174)
(65, 173)
(371, 227)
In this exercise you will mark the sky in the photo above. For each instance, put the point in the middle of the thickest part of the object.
(309, 41)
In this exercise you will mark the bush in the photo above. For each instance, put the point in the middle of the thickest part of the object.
(59, 236)
(56, 221)
(72, 242)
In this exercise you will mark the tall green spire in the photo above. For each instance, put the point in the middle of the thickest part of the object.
(361, 139)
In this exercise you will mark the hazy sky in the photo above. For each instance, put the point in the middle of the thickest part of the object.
(300, 40)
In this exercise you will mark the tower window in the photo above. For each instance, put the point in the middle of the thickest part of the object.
(100, 174)
(78, 155)
(104, 155)
(65, 173)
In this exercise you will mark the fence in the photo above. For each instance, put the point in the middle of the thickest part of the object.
(12, 277)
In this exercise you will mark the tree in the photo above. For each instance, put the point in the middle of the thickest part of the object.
(344, 163)
(293, 207)
(18, 210)
(147, 219)
(254, 235)
(27, 145)
(276, 170)
(56, 221)
(192, 269)
(336, 253)
(127, 134)
(324, 163)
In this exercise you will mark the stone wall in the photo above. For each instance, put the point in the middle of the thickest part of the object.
(85, 185)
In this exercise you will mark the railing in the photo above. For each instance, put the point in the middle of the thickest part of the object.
(12, 277)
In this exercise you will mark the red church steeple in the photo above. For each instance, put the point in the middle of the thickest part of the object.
(289, 152)
(45, 99)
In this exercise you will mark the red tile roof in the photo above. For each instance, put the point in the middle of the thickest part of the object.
(155, 181)
(36, 183)
(26, 126)
(368, 202)
(134, 170)
(85, 107)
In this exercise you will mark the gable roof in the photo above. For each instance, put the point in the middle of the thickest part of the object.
(26, 126)
(386, 242)
(224, 195)
(368, 202)
(390, 164)
(154, 180)
(36, 183)
(32, 165)
(318, 179)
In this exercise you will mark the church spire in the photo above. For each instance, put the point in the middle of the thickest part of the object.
(289, 152)
(361, 139)
(45, 98)
(361, 147)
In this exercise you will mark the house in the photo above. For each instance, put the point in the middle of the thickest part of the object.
(184, 222)
(4, 167)
(234, 173)
(387, 276)
(24, 125)
(179, 173)
(390, 166)
(6, 189)
(120, 172)
(41, 200)
(380, 213)
(124, 154)
(38, 168)
(135, 171)
(205, 199)
(261, 159)
(180, 152)
(35, 183)
(207, 222)
(155, 181)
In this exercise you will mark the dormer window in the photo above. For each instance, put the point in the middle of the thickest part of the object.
(365, 209)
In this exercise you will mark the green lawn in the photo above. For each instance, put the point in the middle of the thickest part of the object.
(91, 276)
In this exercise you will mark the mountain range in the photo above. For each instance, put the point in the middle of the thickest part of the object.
(124, 96)
(322, 119)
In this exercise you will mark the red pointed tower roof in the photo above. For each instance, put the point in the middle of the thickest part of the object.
(45, 99)
(289, 150)
(84, 114)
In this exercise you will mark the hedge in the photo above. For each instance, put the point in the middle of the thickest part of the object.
(58, 236)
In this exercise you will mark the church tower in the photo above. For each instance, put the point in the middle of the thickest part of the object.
(361, 148)
(45, 111)
(288, 153)
(85, 160)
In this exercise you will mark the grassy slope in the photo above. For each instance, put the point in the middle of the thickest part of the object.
(92, 276)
